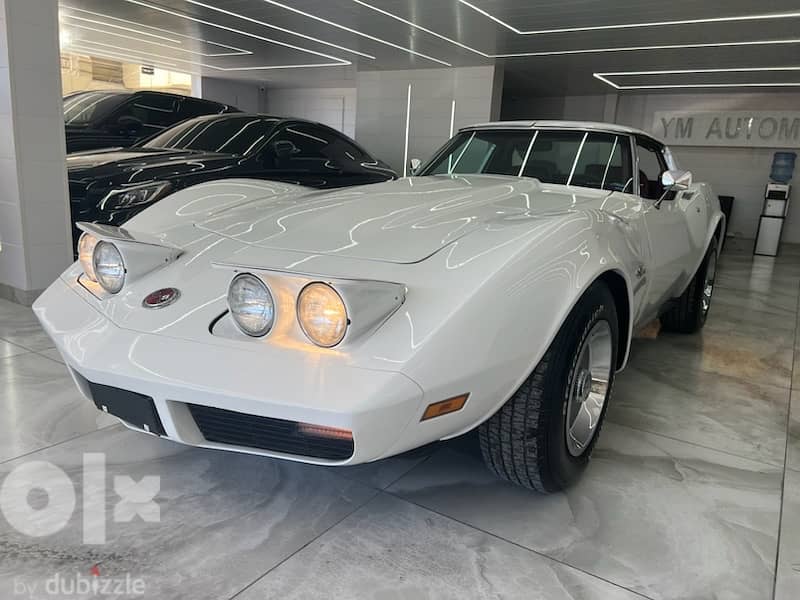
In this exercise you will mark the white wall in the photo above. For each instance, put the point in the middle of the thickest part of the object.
(35, 234)
(739, 172)
(332, 106)
(382, 100)
(245, 95)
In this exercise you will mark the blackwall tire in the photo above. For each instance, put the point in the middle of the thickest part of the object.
(690, 311)
(532, 440)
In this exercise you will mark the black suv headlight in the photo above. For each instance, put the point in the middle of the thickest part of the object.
(135, 195)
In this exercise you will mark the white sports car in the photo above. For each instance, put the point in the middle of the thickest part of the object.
(497, 289)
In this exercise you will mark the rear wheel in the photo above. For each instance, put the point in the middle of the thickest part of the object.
(543, 436)
(691, 309)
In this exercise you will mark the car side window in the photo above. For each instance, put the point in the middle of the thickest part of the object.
(604, 163)
(192, 107)
(307, 147)
(155, 111)
(651, 166)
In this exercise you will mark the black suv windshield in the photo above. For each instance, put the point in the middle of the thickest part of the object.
(237, 135)
(88, 107)
(569, 157)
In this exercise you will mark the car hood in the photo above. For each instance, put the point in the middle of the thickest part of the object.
(142, 164)
(403, 221)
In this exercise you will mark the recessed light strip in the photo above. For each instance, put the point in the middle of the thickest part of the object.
(605, 78)
(200, 64)
(188, 37)
(354, 32)
(578, 51)
(737, 18)
(284, 30)
(122, 27)
(643, 48)
(102, 53)
(152, 43)
(337, 61)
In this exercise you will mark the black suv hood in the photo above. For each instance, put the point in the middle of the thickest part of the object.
(138, 165)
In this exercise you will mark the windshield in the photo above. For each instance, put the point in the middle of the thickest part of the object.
(231, 135)
(568, 157)
(87, 107)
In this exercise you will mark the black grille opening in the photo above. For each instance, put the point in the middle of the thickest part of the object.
(275, 435)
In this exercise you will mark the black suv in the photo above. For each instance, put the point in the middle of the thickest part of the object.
(112, 118)
(111, 186)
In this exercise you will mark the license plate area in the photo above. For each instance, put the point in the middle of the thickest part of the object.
(137, 409)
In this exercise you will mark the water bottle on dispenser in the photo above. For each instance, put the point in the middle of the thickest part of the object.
(776, 204)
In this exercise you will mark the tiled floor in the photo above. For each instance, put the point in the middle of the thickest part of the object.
(693, 492)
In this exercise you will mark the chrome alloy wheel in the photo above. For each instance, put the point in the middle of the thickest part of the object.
(708, 283)
(588, 388)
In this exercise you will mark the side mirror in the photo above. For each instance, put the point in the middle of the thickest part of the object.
(676, 180)
(129, 124)
(415, 164)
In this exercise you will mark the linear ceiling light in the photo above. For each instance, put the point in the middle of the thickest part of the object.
(151, 55)
(605, 78)
(122, 27)
(354, 32)
(338, 62)
(115, 55)
(284, 30)
(152, 43)
(578, 51)
(758, 17)
(188, 37)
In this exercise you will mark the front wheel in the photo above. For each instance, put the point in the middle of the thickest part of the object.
(690, 311)
(543, 436)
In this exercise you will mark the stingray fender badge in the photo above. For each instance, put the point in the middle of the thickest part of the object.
(161, 298)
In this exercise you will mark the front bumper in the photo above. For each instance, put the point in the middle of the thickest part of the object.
(376, 406)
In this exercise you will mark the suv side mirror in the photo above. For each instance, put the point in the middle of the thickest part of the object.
(676, 180)
(415, 164)
(129, 124)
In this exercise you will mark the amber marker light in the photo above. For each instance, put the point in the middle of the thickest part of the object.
(443, 407)
(333, 433)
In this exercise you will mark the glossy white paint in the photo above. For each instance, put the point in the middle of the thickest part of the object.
(454, 284)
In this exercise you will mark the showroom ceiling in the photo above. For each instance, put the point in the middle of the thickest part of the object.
(549, 47)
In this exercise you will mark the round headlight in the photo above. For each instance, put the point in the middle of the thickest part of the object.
(251, 305)
(109, 268)
(322, 314)
(86, 245)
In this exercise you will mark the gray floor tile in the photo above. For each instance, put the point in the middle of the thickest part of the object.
(53, 354)
(726, 302)
(41, 399)
(9, 349)
(19, 326)
(225, 519)
(390, 549)
(793, 443)
(756, 359)
(723, 413)
(664, 518)
(787, 580)
(382, 473)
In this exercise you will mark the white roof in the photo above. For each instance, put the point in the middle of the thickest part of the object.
(610, 127)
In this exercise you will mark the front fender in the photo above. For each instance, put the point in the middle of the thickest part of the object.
(490, 343)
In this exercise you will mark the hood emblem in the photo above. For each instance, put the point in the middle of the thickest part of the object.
(161, 298)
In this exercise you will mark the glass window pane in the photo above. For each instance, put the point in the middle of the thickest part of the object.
(604, 162)
(490, 152)
(231, 135)
(553, 155)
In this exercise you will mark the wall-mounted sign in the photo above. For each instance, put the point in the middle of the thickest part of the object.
(763, 129)
(148, 70)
